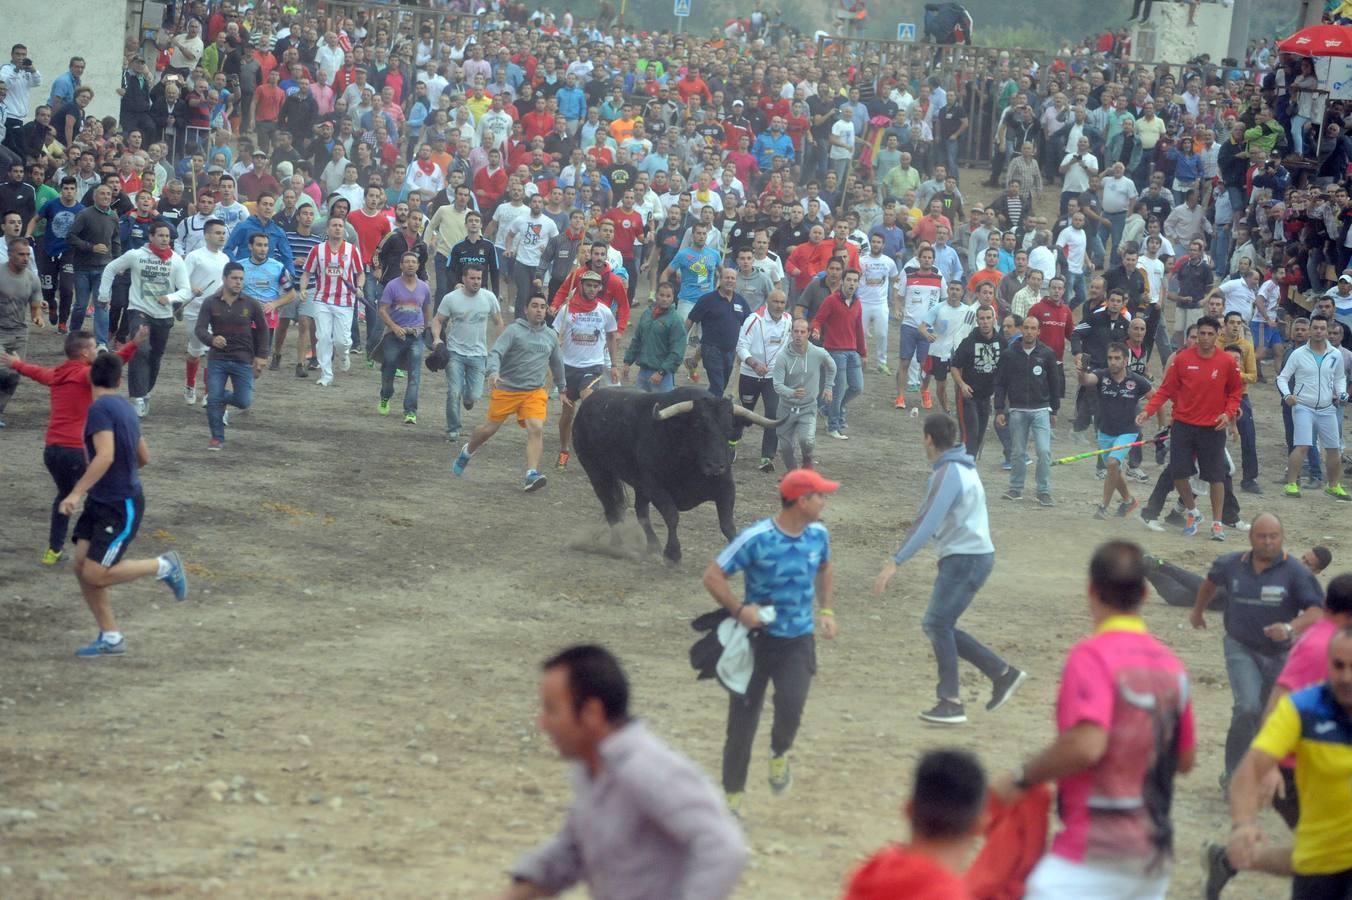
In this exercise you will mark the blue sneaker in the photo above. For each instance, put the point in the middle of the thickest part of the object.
(458, 467)
(1190, 522)
(177, 578)
(534, 481)
(1006, 466)
(101, 647)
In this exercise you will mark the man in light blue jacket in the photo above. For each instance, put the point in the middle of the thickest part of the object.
(954, 514)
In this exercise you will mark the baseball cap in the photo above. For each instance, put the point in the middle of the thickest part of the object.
(738, 103)
(1345, 277)
(590, 275)
(801, 482)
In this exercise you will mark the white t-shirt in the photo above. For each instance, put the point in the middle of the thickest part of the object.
(506, 215)
(877, 272)
(1239, 297)
(950, 325)
(1118, 194)
(1044, 260)
(467, 318)
(583, 335)
(1154, 272)
(1271, 294)
(1075, 242)
(204, 272)
(843, 130)
(529, 237)
(770, 266)
(920, 294)
(1077, 176)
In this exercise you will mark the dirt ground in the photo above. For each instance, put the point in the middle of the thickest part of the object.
(345, 705)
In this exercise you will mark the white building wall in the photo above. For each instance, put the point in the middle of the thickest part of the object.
(1174, 40)
(56, 30)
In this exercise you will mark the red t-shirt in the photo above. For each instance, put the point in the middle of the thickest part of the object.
(71, 395)
(895, 872)
(628, 229)
(1057, 324)
(370, 229)
(1201, 387)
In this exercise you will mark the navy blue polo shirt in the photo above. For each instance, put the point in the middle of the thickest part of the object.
(1280, 593)
(720, 319)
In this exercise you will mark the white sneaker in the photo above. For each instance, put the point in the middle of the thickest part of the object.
(347, 361)
(1241, 526)
(190, 395)
(1136, 474)
(139, 404)
(324, 381)
(838, 436)
(225, 417)
(1153, 525)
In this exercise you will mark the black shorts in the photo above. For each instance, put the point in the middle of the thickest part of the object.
(1202, 442)
(109, 528)
(936, 368)
(577, 379)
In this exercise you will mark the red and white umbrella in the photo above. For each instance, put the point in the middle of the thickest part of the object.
(1319, 40)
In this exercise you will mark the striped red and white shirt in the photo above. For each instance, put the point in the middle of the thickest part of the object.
(335, 273)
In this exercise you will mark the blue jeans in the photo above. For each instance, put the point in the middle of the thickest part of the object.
(1076, 291)
(717, 367)
(375, 326)
(951, 156)
(668, 382)
(1220, 249)
(1248, 441)
(960, 577)
(849, 384)
(1252, 675)
(241, 380)
(87, 288)
(1116, 222)
(464, 385)
(1039, 423)
(406, 354)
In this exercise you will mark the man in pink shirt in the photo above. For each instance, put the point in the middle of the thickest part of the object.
(1307, 664)
(1125, 729)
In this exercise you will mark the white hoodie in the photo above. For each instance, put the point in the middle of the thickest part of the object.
(762, 338)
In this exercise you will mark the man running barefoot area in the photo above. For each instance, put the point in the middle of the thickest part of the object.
(113, 506)
(954, 515)
(523, 354)
(1206, 388)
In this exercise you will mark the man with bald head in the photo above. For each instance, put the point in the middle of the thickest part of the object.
(1273, 596)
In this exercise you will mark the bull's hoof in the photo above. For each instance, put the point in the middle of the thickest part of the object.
(671, 559)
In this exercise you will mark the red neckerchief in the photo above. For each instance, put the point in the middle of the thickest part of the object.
(427, 166)
(578, 302)
(162, 254)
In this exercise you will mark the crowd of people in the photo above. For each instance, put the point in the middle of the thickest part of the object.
(541, 205)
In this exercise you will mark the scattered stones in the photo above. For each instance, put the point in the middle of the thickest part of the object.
(335, 803)
(261, 798)
(216, 790)
(428, 759)
(11, 816)
(304, 740)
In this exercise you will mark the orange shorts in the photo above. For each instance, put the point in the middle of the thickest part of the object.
(526, 404)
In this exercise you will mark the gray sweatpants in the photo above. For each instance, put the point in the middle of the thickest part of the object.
(797, 432)
(16, 343)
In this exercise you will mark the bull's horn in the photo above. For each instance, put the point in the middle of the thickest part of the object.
(661, 414)
(742, 412)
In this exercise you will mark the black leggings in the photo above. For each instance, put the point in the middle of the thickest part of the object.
(749, 389)
(974, 414)
(66, 465)
(790, 663)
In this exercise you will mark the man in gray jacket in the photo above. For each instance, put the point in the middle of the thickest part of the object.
(521, 356)
(798, 374)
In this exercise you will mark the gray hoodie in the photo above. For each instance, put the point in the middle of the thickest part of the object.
(521, 355)
(793, 370)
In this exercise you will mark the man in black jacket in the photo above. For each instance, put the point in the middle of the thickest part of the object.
(1089, 342)
(134, 113)
(973, 366)
(299, 111)
(1027, 396)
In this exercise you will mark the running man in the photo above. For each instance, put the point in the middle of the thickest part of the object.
(973, 365)
(525, 352)
(786, 560)
(113, 507)
(234, 325)
(20, 306)
(921, 290)
(1125, 729)
(404, 307)
(205, 266)
(589, 342)
(1313, 382)
(877, 288)
(800, 372)
(339, 279)
(64, 454)
(461, 323)
(1119, 393)
(954, 514)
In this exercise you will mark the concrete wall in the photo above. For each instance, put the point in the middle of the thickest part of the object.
(1174, 40)
(56, 30)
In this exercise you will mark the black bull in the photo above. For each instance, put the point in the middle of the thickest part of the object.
(671, 448)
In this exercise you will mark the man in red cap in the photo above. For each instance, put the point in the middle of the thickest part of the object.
(787, 564)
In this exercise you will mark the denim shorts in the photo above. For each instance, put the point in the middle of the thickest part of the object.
(913, 346)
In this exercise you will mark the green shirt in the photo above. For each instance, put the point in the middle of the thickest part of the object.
(658, 342)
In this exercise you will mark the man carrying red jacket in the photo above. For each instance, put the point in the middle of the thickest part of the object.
(1206, 388)
(613, 291)
(839, 325)
(71, 394)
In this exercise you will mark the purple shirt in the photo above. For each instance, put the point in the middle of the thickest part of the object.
(406, 304)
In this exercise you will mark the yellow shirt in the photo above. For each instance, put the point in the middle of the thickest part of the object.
(1248, 363)
(1311, 724)
(1149, 131)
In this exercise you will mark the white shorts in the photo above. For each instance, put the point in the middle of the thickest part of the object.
(1057, 878)
(1308, 423)
(196, 349)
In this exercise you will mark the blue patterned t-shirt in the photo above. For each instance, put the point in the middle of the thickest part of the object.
(780, 570)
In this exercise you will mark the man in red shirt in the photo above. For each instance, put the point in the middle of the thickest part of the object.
(692, 85)
(268, 98)
(1058, 324)
(371, 224)
(538, 122)
(1206, 389)
(839, 325)
(629, 232)
(490, 184)
(71, 394)
(806, 260)
(946, 812)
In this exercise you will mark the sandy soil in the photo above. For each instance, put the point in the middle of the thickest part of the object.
(345, 705)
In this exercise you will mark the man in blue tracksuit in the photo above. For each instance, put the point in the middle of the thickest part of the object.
(954, 514)
(262, 222)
